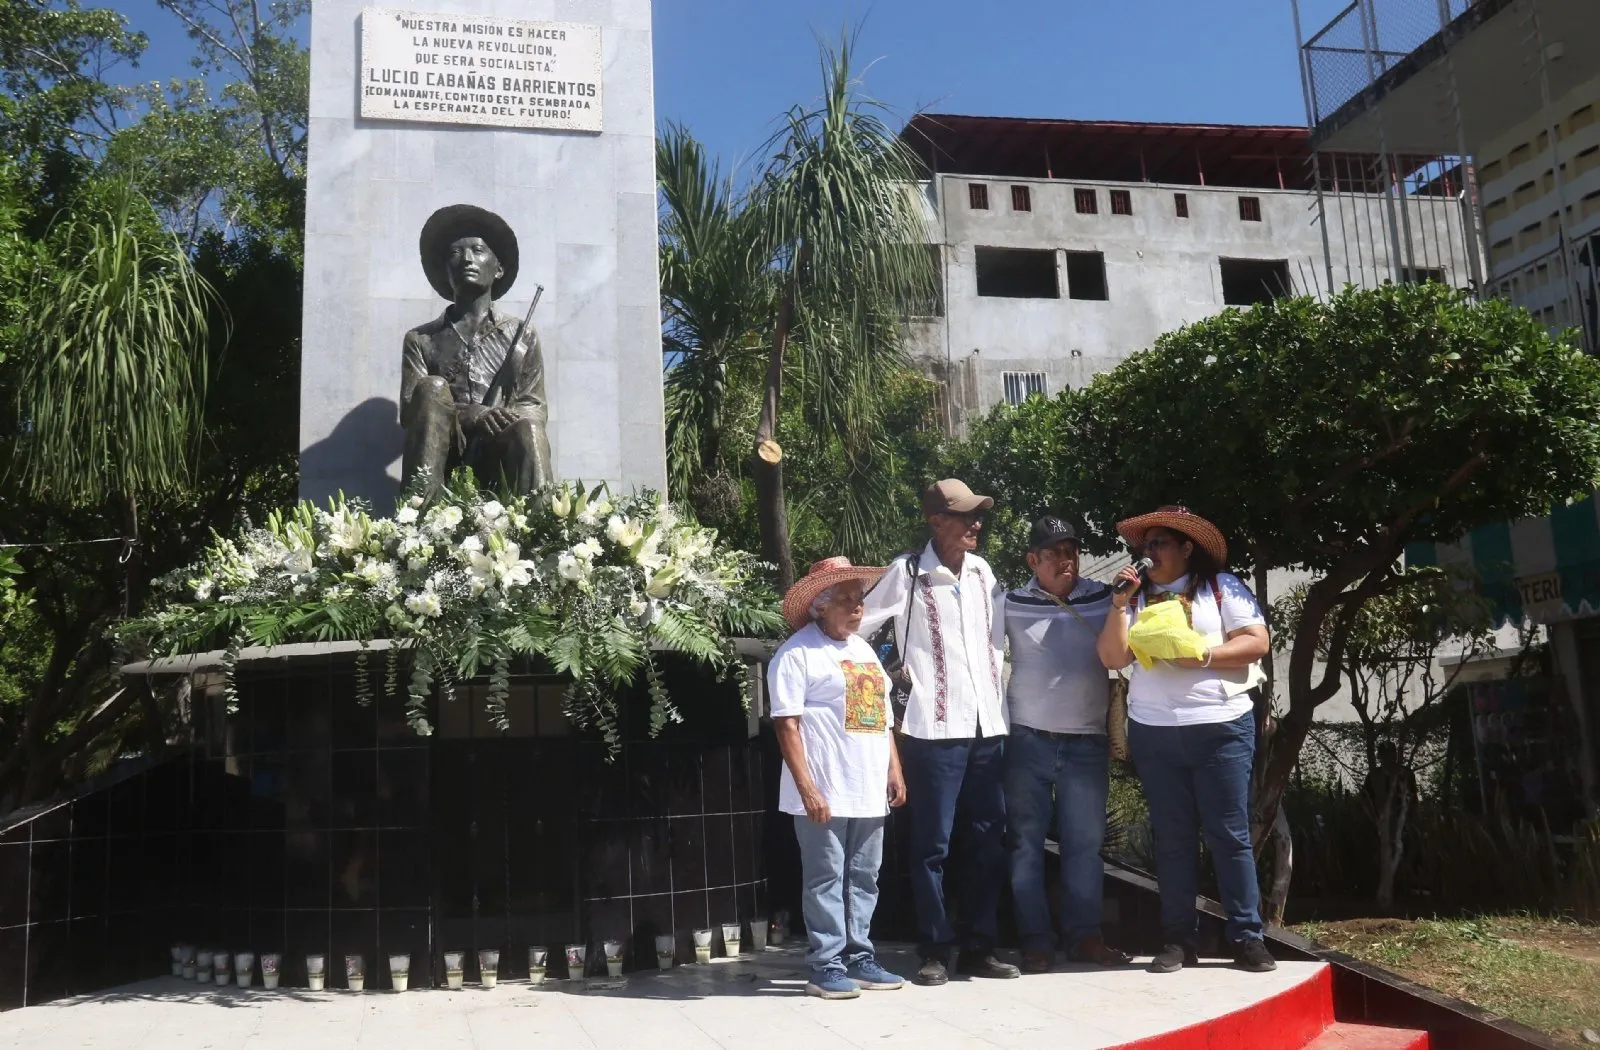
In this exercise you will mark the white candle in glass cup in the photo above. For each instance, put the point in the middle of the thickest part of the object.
(244, 965)
(730, 939)
(222, 966)
(666, 951)
(400, 971)
(489, 966)
(202, 966)
(186, 970)
(452, 970)
(613, 950)
(316, 972)
(538, 959)
(269, 969)
(577, 959)
(177, 960)
(758, 935)
(702, 946)
(355, 973)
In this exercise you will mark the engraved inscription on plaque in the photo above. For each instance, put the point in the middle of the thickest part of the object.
(498, 72)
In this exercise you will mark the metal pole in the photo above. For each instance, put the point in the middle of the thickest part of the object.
(1369, 31)
(1469, 201)
(1306, 90)
(1553, 130)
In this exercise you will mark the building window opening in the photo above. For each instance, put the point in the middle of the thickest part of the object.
(1180, 203)
(1086, 275)
(1086, 201)
(1422, 275)
(1022, 385)
(1246, 282)
(977, 196)
(1250, 209)
(1021, 199)
(1017, 273)
(1121, 202)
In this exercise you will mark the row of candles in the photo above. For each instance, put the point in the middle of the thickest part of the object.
(224, 968)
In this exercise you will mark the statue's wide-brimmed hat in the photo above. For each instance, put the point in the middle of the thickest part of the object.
(453, 222)
(1180, 520)
(823, 574)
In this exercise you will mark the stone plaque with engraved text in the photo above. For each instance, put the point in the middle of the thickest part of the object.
(496, 72)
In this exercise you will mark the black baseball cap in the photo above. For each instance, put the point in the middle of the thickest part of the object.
(1049, 531)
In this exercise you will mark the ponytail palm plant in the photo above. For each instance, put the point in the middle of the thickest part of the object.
(112, 358)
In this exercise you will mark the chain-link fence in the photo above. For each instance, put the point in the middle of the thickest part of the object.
(1365, 40)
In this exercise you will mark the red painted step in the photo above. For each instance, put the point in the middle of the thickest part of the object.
(1341, 1036)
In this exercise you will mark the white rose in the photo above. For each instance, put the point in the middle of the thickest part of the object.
(588, 550)
(424, 603)
(472, 545)
(406, 515)
(491, 510)
(415, 502)
(571, 567)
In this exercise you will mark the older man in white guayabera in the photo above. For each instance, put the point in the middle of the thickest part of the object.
(943, 601)
(830, 707)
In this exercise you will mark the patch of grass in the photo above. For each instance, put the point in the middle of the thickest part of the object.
(1518, 966)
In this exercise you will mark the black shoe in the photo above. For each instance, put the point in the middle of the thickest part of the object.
(1252, 955)
(931, 973)
(973, 964)
(1172, 958)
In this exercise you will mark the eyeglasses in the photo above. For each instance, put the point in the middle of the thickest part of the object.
(1156, 543)
(1056, 554)
(970, 517)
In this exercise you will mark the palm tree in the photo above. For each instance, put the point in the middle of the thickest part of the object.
(847, 233)
(716, 295)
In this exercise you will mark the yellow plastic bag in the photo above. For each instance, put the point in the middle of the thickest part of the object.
(1162, 632)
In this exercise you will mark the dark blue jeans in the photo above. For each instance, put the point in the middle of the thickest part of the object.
(1069, 777)
(1197, 781)
(950, 782)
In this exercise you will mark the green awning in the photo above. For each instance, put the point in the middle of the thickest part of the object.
(1540, 569)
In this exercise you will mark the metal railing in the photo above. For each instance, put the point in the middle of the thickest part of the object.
(1366, 40)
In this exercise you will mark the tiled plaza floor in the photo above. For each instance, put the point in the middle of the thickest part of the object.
(752, 1002)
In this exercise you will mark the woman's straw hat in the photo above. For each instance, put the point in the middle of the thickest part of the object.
(823, 574)
(1179, 519)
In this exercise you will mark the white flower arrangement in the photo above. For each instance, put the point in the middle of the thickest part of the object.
(588, 581)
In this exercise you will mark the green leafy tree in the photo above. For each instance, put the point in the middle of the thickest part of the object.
(1324, 436)
(846, 232)
(1397, 683)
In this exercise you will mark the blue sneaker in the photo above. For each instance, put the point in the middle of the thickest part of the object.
(874, 978)
(831, 984)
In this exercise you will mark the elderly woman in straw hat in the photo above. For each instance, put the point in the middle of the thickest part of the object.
(829, 699)
(1192, 727)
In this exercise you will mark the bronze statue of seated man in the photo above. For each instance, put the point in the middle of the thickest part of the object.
(472, 379)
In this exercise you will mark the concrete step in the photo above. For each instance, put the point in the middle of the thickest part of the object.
(1341, 1036)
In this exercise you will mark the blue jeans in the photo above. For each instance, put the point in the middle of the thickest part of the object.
(1197, 780)
(839, 864)
(1069, 775)
(949, 781)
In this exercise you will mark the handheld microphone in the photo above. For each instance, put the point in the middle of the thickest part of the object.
(1144, 565)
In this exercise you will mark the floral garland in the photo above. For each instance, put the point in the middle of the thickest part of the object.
(588, 581)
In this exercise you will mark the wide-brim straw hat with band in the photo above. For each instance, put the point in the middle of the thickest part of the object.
(823, 574)
(1181, 520)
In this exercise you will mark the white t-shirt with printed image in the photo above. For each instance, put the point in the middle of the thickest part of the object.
(840, 693)
(1169, 695)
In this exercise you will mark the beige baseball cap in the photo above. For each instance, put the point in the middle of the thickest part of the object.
(952, 496)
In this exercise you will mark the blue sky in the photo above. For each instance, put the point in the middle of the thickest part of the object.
(727, 68)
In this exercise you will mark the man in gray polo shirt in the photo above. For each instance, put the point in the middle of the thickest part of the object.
(1058, 758)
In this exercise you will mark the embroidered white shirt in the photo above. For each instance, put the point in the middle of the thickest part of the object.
(948, 644)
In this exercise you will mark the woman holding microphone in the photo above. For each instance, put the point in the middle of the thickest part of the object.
(1192, 727)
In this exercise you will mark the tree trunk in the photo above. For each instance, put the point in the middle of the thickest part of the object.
(772, 513)
(1277, 896)
(1392, 813)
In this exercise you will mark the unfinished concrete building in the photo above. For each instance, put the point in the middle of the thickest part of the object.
(1067, 245)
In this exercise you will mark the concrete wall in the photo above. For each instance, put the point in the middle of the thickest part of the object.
(584, 210)
(1162, 272)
